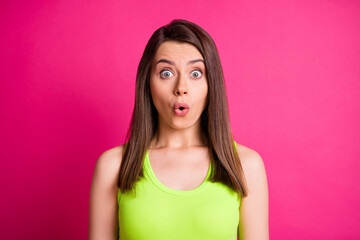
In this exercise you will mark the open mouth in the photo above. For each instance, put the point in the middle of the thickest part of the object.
(181, 109)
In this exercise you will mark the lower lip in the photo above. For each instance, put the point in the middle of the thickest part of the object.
(179, 112)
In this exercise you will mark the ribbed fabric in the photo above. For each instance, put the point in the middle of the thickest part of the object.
(210, 211)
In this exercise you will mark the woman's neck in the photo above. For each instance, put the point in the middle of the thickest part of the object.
(168, 137)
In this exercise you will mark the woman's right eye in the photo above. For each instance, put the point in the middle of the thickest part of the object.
(166, 74)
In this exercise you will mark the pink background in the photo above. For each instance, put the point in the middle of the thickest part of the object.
(67, 71)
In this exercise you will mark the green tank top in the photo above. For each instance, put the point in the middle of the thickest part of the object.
(210, 211)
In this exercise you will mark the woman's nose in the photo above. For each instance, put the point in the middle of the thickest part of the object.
(180, 91)
(181, 87)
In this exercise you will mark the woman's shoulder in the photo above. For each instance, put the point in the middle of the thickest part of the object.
(251, 160)
(246, 151)
(109, 161)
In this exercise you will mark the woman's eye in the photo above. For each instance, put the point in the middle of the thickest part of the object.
(166, 74)
(196, 73)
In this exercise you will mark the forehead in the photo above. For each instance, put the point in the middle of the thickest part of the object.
(177, 51)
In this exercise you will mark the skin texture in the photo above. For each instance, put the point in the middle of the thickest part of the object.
(178, 136)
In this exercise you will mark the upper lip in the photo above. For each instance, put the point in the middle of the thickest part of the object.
(178, 105)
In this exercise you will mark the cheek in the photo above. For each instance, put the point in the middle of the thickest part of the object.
(157, 94)
(203, 93)
(206, 91)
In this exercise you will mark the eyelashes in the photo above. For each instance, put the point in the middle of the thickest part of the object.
(198, 73)
(166, 73)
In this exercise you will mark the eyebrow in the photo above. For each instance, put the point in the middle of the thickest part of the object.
(172, 63)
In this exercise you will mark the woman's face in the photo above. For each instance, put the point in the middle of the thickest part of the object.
(178, 84)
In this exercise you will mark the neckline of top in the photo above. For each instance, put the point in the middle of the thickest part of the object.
(166, 189)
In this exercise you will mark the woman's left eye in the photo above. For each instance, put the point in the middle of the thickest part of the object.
(196, 73)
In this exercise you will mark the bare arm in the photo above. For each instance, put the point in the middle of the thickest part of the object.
(254, 209)
(103, 207)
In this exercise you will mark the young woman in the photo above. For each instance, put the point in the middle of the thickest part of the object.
(180, 175)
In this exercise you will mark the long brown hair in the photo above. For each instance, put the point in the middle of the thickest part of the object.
(214, 119)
